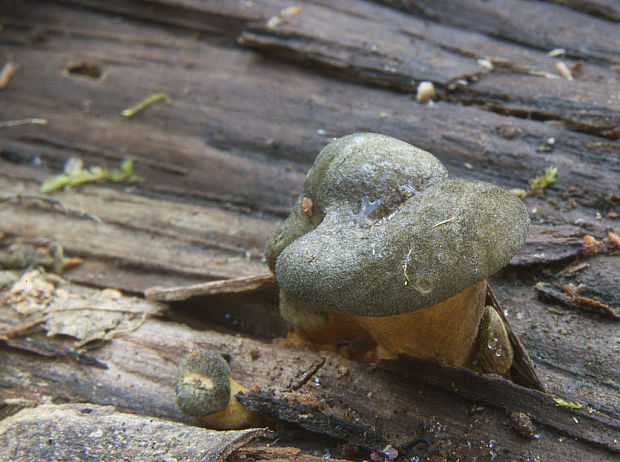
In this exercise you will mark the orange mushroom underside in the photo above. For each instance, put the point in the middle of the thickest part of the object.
(445, 332)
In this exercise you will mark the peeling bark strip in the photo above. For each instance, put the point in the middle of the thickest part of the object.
(602, 430)
(545, 245)
(576, 302)
(88, 432)
(260, 452)
(522, 369)
(312, 420)
(49, 351)
(227, 286)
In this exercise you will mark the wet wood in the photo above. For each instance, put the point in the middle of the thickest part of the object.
(269, 152)
(530, 23)
(603, 9)
(548, 245)
(314, 420)
(136, 239)
(400, 400)
(257, 89)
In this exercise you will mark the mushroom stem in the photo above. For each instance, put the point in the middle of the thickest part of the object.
(235, 415)
(339, 328)
(443, 332)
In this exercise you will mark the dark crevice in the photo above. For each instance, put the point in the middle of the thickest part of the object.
(596, 9)
(85, 69)
(308, 375)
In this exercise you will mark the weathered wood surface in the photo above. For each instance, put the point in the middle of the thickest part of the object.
(92, 433)
(258, 88)
(401, 400)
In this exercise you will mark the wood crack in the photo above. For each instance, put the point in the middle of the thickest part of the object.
(307, 376)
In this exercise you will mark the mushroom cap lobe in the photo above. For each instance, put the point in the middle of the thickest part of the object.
(367, 173)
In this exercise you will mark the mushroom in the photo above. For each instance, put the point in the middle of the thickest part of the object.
(394, 247)
(206, 391)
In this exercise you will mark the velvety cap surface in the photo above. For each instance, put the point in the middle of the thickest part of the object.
(203, 383)
(366, 173)
(396, 232)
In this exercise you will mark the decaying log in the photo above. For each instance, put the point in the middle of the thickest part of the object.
(137, 239)
(531, 23)
(256, 90)
(89, 432)
(550, 245)
(401, 400)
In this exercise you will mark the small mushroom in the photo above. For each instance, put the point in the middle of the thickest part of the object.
(492, 351)
(396, 248)
(206, 391)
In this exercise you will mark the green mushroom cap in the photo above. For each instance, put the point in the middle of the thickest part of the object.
(203, 383)
(390, 231)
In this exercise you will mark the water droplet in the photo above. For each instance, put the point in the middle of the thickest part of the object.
(493, 344)
(390, 452)
(424, 283)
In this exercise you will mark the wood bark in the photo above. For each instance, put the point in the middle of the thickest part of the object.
(257, 89)
(92, 433)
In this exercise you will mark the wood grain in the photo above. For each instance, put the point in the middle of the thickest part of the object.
(256, 91)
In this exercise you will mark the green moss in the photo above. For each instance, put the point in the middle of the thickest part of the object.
(542, 181)
(132, 111)
(538, 184)
(568, 404)
(76, 176)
